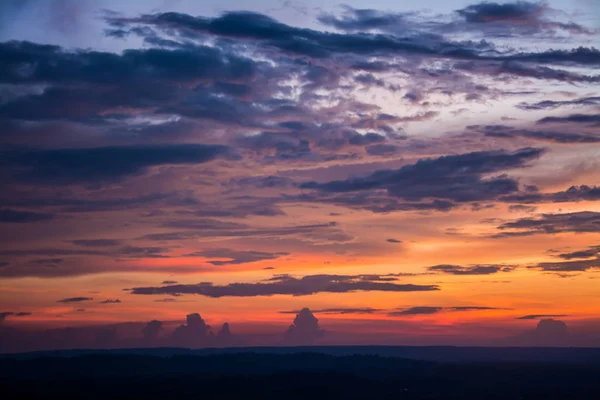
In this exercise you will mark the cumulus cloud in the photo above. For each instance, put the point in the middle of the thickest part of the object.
(191, 334)
(289, 285)
(151, 330)
(305, 330)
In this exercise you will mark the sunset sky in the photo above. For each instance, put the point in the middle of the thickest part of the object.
(402, 168)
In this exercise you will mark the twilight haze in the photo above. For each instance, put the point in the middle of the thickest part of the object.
(416, 172)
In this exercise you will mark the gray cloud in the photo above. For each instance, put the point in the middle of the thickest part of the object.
(507, 132)
(542, 316)
(574, 118)
(470, 270)
(288, 285)
(457, 178)
(8, 215)
(583, 221)
(236, 256)
(551, 104)
(75, 299)
(426, 310)
(341, 311)
(67, 166)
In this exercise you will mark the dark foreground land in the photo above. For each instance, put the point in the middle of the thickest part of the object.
(304, 373)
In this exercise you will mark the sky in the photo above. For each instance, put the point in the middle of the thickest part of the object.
(410, 172)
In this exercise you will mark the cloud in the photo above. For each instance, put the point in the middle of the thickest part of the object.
(579, 222)
(236, 256)
(517, 18)
(569, 266)
(5, 314)
(426, 310)
(191, 334)
(393, 241)
(341, 311)
(470, 270)
(507, 132)
(68, 166)
(574, 118)
(572, 194)
(323, 233)
(109, 301)
(588, 253)
(96, 242)
(542, 316)
(305, 330)
(288, 285)
(151, 330)
(457, 178)
(8, 215)
(265, 31)
(75, 299)
(551, 104)
(169, 282)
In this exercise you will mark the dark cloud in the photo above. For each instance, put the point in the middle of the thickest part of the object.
(542, 316)
(569, 266)
(393, 241)
(75, 299)
(193, 333)
(315, 233)
(236, 256)
(288, 285)
(169, 282)
(470, 270)
(111, 301)
(67, 166)
(507, 132)
(151, 330)
(583, 221)
(572, 194)
(521, 12)
(55, 65)
(417, 311)
(588, 253)
(382, 149)
(271, 181)
(518, 18)
(550, 104)
(426, 310)
(305, 330)
(456, 178)
(521, 208)
(96, 242)
(577, 118)
(5, 314)
(520, 69)
(8, 215)
(341, 311)
(265, 31)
